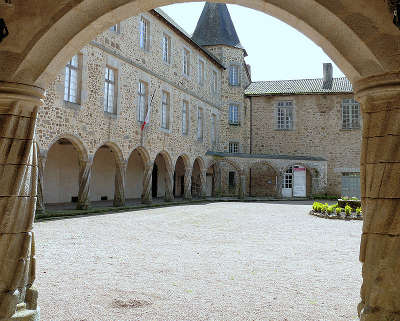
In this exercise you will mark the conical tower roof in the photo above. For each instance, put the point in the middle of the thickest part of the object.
(215, 27)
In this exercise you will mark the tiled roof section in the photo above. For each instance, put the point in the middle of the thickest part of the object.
(297, 87)
(215, 27)
(171, 22)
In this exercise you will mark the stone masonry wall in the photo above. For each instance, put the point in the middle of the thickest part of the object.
(88, 122)
(317, 132)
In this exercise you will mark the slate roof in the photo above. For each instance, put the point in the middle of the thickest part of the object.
(215, 27)
(298, 87)
(171, 22)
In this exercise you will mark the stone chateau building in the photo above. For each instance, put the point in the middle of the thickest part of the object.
(145, 110)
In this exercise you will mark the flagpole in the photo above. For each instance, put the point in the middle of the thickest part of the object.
(147, 116)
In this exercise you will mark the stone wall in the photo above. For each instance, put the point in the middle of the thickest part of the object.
(317, 132)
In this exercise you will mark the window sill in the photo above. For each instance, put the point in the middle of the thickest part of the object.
(165, 130)
(349, 129)
(71, 105)
(284, 129)
(110, 115)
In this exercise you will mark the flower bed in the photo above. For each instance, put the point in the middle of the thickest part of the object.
(353, 202)
(336, 212)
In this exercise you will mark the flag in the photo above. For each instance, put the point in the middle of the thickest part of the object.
(147, 119)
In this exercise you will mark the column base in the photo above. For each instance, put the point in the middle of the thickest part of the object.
(23, 314)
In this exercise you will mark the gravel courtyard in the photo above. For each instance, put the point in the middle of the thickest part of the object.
(221, 261)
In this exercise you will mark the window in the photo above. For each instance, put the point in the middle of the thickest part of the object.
(288, 179)
(284, 115)
(166, 47)
(351, 185)
(214, 82)
(350, 114)
(233, 114)
(73, 80)
(165, 109)
(144, 38)
(213, 129)
(201, 72)
(186, 62)
(143, 100)
(200, 123)
(234, 75)
(185, 117)
(231, 179)
(233, 147)
(115, 28)
(110, 90)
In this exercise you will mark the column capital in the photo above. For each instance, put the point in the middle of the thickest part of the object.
(26, 95)
(379, 92)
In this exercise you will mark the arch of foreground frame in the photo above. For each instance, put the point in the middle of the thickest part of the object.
(358, 35)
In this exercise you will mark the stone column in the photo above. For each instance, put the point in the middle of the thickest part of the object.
(242, 187)
(18, 190)
(120, 176)
(218, 182)
(380, 189)
(188, 184)
(203, 182)
(40, 207)
(169, 186)
(147, 184)
(85, 175)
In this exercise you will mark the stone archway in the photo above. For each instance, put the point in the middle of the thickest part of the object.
(136, 173)
(108, 166)
(199, 183)
(231, 178)
(61, 171)
(263, 180)
(358, 35)
(163, 177)
(182, 177)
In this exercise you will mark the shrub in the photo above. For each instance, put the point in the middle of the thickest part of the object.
(339, 210)
(345, 198)
(347, 210)
(335, 205)
(315, 206)
(330, 209)
(354, 198)
(324, 207)
(358, 211)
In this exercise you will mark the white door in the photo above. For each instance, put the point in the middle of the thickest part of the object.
(287, 184)
(299, 181)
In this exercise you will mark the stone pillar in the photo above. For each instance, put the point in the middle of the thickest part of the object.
(40, 206)
(203, 182)
(85, 175)
(18, 189)
(188, 184)
(218, 181)
(120, 176)
(147, 184)
(380, 189)
(242, 187)
(169, 186)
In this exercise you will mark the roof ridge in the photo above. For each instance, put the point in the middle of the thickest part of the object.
(259, 81)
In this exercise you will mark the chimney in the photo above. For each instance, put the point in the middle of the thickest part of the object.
(249, 69)
(328, 76)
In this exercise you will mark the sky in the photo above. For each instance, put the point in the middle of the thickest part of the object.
(275, 50)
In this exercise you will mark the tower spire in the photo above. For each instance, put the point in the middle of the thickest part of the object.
(215, 27)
